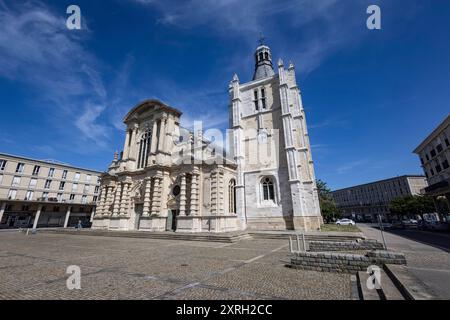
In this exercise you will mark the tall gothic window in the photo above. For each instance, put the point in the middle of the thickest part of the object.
(268, 189)
(144, 149)
(263, 98)
(256, 100)
(232, 196)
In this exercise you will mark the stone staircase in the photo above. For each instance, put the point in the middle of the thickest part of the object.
(397, 283)
(309, 236)
(231, 237)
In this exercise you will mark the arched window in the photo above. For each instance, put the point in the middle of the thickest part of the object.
(144, 149)
(261, 56)
(266, 55)
(268, 189)
(232, 196)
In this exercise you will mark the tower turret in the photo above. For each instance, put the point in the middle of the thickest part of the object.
(263, 63)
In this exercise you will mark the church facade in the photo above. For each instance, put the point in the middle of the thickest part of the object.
(171, 179)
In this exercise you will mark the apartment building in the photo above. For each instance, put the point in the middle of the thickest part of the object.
(365, 202)
(44, 193)
(434, 154)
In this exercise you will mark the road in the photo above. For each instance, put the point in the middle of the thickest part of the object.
(427, 254)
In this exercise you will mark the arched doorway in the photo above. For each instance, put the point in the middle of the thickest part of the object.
(173, 212)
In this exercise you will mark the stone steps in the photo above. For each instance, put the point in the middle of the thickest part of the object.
(397, 283)
(308, 236)
(222, 237)
(408, 284)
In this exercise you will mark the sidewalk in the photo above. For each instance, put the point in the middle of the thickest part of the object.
(426, 259)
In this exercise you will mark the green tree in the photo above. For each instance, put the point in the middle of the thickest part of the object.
(416, 205)
(328, 207)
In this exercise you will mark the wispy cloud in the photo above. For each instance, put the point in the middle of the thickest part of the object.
(37, 49)
(350, 166)
(320, 24)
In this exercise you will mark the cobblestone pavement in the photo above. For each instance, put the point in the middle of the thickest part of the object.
(34, 267)
(425, 253)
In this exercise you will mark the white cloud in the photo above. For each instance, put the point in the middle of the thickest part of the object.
(38, 50)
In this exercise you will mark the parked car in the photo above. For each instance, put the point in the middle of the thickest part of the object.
(409, 224)
(346, 222)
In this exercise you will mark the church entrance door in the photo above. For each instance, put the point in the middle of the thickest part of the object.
(172, 220)
(139, 208)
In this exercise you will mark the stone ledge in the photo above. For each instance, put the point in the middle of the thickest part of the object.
(344, 263)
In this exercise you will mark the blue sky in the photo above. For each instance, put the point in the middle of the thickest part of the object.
(370, 96)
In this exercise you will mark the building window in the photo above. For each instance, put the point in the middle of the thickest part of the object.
(51, 172)
(30, 195)
(16, 181)
(256, 100)
(59, 197)
(445, 164)
(95, 198)
(263, 98)
(97, 189)
(20, 167)
(84, 199)
(428, 158)
(48, 183)
(176, 191)
(64, 174)
(438, 168)
(2, 165)
(447, 143)
(77, 176)
(144, 149)
(74, 187)
(1, 178)
(12, 194)
(232, 196)
(268, 189)
(33, 183)
(86, 188)
(433, 153)
(432, 172)
(62, 184)
(36, 170)
(88, 178)
(45, 196)
(439, 148)
(72, 197)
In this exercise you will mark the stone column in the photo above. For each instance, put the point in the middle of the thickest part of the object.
(194, 194)
(214, 194)
(66, 221)
(220, 194)
(126, 147)
(132, 151)
(162, 134)
(2, 211)
(36, 218)
(116, 206)
(108, 200)
(156, 196)
(183, 195)
(154, 137)
(102, 202)
(146, 208)
(124, 200)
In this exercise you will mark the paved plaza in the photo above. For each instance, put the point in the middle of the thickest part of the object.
(34, 267)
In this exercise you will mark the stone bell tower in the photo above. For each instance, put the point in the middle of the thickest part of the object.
(276, 187)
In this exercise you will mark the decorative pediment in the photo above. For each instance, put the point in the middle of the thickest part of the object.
(148, 106)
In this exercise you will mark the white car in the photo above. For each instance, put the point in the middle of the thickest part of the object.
(345, 222)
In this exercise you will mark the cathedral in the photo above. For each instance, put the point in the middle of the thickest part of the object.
(168, 178)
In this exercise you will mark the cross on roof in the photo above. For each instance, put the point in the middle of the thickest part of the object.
(261, 39)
